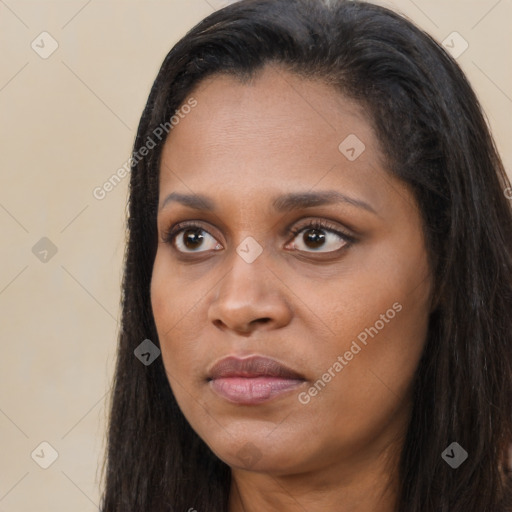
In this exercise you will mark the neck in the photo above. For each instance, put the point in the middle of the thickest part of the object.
(351, 486)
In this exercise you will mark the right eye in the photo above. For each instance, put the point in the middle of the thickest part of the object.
(187, 237)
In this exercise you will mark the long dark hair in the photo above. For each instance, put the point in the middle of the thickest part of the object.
(435, 138)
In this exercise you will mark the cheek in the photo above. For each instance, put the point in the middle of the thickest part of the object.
(175, 310)
(168, 314)
(378, 381)
(161, 298)
(172, 301)
(378, 322)
(370, 390)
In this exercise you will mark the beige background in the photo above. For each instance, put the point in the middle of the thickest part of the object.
(67, 124)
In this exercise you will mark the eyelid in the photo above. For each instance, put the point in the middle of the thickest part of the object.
(169, 234)
(321, 224)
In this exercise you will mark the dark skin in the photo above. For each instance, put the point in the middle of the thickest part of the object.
(299, 302)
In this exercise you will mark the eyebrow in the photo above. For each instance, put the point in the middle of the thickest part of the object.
(284, 203)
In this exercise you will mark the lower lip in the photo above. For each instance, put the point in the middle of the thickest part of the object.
(255, 390)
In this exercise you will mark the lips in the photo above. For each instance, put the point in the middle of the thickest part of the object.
(252, 380)
(250, 367)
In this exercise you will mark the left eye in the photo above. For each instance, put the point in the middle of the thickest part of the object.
(319, 236)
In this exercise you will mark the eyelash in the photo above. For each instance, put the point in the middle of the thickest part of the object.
(169, 235)
(322, 226)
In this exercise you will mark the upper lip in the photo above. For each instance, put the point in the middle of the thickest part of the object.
(253, 366)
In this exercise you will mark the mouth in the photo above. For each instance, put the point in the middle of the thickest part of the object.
(252, 380)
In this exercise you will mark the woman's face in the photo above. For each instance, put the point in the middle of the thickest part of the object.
(343, 304)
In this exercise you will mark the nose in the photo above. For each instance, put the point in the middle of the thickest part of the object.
(250, 296)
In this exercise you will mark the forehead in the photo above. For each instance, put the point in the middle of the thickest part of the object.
(276, 131)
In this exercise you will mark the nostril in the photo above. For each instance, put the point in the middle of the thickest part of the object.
(218, 323)
(262, 320)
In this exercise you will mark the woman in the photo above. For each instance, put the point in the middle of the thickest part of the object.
(317, 290)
